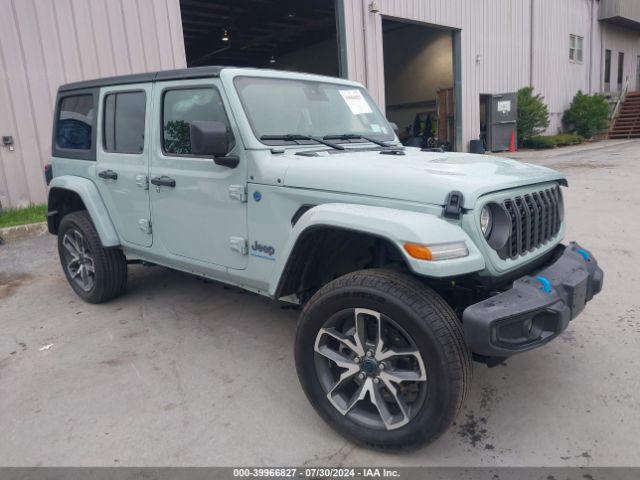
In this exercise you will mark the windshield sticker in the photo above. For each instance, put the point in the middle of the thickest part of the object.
(375, 128)
(355, 101)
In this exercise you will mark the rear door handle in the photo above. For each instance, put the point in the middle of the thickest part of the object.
(108, 174)
(163, 181)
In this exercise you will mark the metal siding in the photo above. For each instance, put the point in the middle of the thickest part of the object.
(46, 43)
(619, 39)
(498, 30)
(554, 76)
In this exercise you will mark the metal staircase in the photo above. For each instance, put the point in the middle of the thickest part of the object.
(626, 123)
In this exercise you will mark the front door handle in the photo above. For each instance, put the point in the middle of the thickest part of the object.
(108, 174)
(163, 181)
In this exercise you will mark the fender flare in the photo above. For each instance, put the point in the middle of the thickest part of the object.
(88, 193)
(396, 226)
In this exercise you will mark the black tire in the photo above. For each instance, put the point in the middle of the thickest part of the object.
(432, 326)
(109, 264)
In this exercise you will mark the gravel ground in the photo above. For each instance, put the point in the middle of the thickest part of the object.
(183, 372)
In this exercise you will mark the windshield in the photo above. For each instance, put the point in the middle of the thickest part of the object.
(277, 107)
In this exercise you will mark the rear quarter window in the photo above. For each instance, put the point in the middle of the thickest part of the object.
(75, 125)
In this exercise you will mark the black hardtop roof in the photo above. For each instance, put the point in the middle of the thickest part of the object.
(183, 73)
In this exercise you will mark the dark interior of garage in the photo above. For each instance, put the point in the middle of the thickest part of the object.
(419, 83)
(297, 35)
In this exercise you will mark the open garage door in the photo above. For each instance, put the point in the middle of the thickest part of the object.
(419, 74)
(295, 35)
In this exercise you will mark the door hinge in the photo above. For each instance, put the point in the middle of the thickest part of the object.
(145, 225)
(142, 181)
(239, 244)
(238, 192)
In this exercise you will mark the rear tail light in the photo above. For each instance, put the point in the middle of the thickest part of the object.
(48, 173)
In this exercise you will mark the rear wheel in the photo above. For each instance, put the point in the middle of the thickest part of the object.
(382, 358)
(95, 273)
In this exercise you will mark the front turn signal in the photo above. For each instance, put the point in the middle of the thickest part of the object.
(442, 251)
(421, 252)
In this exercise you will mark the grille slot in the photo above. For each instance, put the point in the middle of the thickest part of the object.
(535, 218)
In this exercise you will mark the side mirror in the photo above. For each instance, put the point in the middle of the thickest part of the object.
(209, 138)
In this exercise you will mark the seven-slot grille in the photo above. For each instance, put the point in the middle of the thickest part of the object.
(535, 218)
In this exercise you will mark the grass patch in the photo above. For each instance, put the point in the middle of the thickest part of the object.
(22, 216)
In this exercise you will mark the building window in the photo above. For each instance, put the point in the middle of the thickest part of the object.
(575, 48)
(183, 106)
(75, 122)
(607, 70)
(620, 69)
(124, 119)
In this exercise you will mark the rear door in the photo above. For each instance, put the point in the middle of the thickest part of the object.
(122, 156)
(200, 210)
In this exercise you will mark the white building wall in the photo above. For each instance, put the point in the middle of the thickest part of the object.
(45, 43)
(495, 41)
(619, 39)
(497, 37)
(554, 76)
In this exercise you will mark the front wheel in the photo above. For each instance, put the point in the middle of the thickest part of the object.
(383, 359)
(95, 273)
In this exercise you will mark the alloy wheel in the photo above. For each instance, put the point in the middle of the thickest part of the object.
(370, 368)
(78, 260)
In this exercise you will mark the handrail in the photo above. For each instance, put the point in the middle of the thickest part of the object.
(621, 97)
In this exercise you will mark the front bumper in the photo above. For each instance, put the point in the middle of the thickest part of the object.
(536, 309)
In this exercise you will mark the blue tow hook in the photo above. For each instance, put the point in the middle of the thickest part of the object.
(545, 284)
(584, 254)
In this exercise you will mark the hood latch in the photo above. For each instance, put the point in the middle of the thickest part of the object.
(453, 204)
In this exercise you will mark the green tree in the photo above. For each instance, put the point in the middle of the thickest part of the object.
(177, 137)
(587, 114)
(533, 114)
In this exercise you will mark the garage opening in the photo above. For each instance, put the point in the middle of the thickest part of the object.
(419, 73)
(297, 35)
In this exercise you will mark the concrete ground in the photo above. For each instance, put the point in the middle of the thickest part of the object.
(183, 372)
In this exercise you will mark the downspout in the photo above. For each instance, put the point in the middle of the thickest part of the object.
(591, 5)
(341, 30)
(531, 13)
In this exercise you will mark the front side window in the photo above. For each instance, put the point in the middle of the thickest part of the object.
(75, 121)
(124, 120)
(276, 106)
(576, 43)
(183, 106)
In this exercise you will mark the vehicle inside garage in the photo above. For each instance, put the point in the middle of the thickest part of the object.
(295, 35)
(419, 83)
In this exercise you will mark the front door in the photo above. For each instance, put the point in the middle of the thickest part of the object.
(123, 159)
(198, 210)
(503, 119)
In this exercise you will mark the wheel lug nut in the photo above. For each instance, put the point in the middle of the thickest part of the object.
(361, 376)
(376, 380)
(369, 353)
(357, 360)
(382, 366)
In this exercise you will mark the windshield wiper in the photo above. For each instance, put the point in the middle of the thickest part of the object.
(291, 137)
(355, 136)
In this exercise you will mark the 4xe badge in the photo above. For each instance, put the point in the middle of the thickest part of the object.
(263, 251)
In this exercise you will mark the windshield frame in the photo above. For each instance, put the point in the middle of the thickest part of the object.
(389, 137)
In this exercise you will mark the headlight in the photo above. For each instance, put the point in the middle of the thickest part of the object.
(486, 221)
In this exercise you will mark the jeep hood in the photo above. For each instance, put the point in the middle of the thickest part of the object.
(424, 177)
